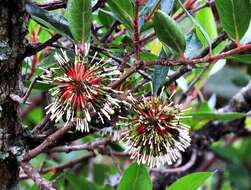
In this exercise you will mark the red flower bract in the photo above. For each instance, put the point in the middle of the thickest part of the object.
(81, 88)
(77, 88)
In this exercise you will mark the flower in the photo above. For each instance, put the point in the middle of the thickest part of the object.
(81, 88)
(155, 135)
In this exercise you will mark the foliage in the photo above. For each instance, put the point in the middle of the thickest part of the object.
(197, 55)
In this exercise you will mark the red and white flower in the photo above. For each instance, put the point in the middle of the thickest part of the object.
(155, 135)
(81, 89)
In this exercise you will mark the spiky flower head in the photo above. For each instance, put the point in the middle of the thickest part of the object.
(80, 88)
(155, 135)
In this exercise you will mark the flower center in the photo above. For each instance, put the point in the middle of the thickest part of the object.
(79, 88)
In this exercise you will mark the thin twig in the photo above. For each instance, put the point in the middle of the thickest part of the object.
(63, 166)
(183, 168)
(62, 4)
(128, 73)
(23, 100)
(109, 32)
(206, 59)
(36, 177)
(45, 122)
(33, 49)
(136, 35)
(88, 146)
(49, 141)
(192, 84)
(107, 53)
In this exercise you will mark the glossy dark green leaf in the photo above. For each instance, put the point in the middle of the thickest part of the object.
(77, 183)
(169, 32)
(136, 177)
(39, 85)
(80, 18)
(160, 72)
(105, 18)
(216, 116)
(100, 173)
(49, 19)
(235, 16)
(122, 12)
(147, 26)
(127, 5)
(190, 182)
(241, 58)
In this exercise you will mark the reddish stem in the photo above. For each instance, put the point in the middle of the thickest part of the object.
(147, 18)
(136, 28)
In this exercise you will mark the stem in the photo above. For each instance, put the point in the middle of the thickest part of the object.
(136, 29)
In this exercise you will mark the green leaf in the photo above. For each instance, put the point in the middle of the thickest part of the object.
(190, 182)
(135, 177)
(193, 46)
(247, 37)
(160, 73)
(206, 20)
(217, 67)
(105, 18)
(241, 58)
(122, 10)
(127, 6)
(100, 173)
(49, 19)
(197, 24)
(217, 116)
(169, 32)
(35, 116)
(147, 56)
(39, 85)
(107, 187)
(235, 16)
(80, 19)
(73, 181)
(146, 26)
(77, 183)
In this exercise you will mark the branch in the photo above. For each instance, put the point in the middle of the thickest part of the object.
(22, 100)
(49, 141)
(61, 167)
(54, 5)
(136, 34)
(33, 49)
(107, 53)
(87, 146)
(109, 32)
(183, 168)
(207, 59)
(36, 177)
(128, 73)
(62, 4)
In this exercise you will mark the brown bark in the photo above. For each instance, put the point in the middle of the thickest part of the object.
(12, 33)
